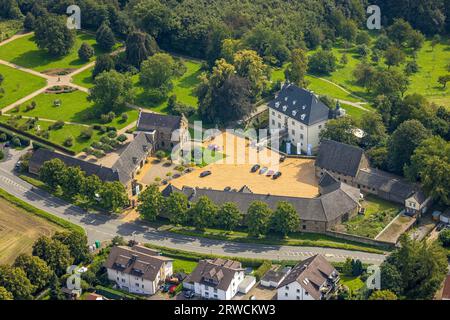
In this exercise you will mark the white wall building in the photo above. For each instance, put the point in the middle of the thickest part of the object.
(300, 115)
(138, 269)
(312, 279)
(217, 279)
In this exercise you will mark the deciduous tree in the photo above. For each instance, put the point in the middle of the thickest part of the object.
(257, 219)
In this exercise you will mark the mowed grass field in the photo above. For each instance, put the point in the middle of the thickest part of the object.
(18, 84)
(19, 230)
(24, 52)
(84, 78)
(183, 88)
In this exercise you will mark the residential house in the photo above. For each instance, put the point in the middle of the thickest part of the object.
(349, 164)
(300, 116)
(312, 279)
(216, 279)
(138, 269)
(274, 277)
(167, 130)
(316, 214)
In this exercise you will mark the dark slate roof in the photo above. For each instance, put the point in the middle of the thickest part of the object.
(385, 182)
(300, 104)
(420, 196)
(327, 207)
(217, 273)
(245, 189)
(42, 155)
(311, 274)
(339, 157)
(136, 151)
(136, 261)
(328, 183)
(152, 121)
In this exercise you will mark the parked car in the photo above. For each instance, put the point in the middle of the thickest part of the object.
(166, 287)
(263, 170)
(276, 175)
(164, 182)
(205, 174)
(172, 289)
(176, 175)
(227, 189)
(270, 173)
(189, 294)
(282, 158)
(255, 168)
(18, 165)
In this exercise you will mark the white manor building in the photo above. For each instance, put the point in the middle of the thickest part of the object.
(300, 116)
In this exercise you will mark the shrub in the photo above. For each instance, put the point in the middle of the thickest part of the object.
(444, 237)
(15, 141)
(124, 117)
(3, 137)
(262, 270)
(96, 145)
(57, 125)
(68, 142)
(85, 52)
(122, 138)
(112, 134)
(98, 153)
(86, 133)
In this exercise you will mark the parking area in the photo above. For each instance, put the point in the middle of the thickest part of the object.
(234, 171)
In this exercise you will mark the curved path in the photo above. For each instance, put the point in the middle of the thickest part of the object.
(101, 227)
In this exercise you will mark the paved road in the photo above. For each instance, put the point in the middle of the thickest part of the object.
(100, 227)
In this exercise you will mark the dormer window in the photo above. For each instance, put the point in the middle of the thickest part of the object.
(303, 116)
(285, 98)
(304, 107)
(284, 108)
(277, 104)
(294, 102)
(294, 112)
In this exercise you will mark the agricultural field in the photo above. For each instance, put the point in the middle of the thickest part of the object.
(18, 84)
(19, 230)
(183, 88)
(24, 52)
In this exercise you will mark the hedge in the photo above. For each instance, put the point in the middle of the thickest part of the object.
(262, 270)
(41, 213)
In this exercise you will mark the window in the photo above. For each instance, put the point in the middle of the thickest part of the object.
(293, 123)
(137, 284)
(320, 126)
(293, 131)
(142, 286)
(301, 136)
(306, 293)
(298, 290)
(279, 116)
(273, 122)
(273, 113)
(279, 125)
(286, 294)
(301, 127)
(287, 287)
(298, 298)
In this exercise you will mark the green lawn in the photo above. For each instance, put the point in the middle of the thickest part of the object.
(24, 52)
(183, 88)
(183, 264)
(84, 78)
(433, 64)
(74, 108)
(377, 216)
(353, 283)
(18, 84)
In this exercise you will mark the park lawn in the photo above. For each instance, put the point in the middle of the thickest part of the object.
(432, 64)
(8, 28)
(84, 78)
(74, 108)
(378, 214)
(353, 283)
(355, 113)
(24, 52)
(184, 265)
(18, 84)
(183, 88)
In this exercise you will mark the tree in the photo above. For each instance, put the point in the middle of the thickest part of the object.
(54, 253)
(430, 163)
(257, 219)
(103, 63)
(157, 72)
(403, 142)
(382, 43)
(443, 80)
(296, 70)
(176, 208)
(86, 52)
(349, 30)
(415, 270)
(340, 130)
(444, 237)
(389, 82)
(160, 155)
(374, 129)
(55, 289)
(150, 203)
(203, 213)
(15, 281)
(72, 181)
(51, 34)
(229, 49)
(322, 62)
(105, 37)
(29, 22)
(285, 218)
(383, 295)
(416, 40)
(364, 75)
(5, 294)
(113, 196)
(77, 243)
(362, 37)
(139, 46)
(250, 66)
(52, 173)
(393, 56)
(111, 92)
(36, 270)
(229, 216)
(400, 32)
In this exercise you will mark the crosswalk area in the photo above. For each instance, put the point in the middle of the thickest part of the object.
(12, 183)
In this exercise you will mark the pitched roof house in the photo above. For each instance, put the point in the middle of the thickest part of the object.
(137, 269)
(312, 279)
(300, 115)
(316, 214)
(215, 279)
